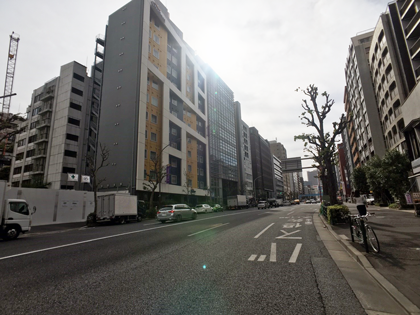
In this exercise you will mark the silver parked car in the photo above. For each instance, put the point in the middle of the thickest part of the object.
(203, 208)
(176, 213)
(263, 205)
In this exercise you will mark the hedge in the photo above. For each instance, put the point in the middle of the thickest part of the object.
(337, 214)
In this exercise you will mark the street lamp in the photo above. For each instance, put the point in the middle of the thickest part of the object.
(255, 193)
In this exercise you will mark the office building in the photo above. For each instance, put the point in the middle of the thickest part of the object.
(244, 154)
(262, 165)
(55, 134)
(278, 178)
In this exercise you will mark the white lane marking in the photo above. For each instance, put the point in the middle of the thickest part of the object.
(295, 254)
(151, 224)
(298, 225)
(288, 226)
(259, 234)
(285, 236)
(273, 253)
(308, 221)
(118, 235)
(262, 258)
(252, 257)
(215, 227)
(290, 213)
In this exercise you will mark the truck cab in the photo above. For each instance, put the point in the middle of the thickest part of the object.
(16, 218)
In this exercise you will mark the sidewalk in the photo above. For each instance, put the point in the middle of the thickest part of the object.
(397, 266)
(56, 228)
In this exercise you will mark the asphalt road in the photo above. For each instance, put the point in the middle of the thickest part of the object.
(237, 262)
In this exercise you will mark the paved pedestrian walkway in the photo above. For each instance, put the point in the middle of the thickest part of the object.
(396, 269)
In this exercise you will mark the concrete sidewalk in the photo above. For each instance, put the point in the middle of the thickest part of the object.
(56, 228)
(388, 282)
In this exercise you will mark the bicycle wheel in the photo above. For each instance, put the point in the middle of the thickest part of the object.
(352, 229)
(373, 240)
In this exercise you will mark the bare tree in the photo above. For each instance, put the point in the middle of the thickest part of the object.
(156, 175)
(321, 144)
(94, 166)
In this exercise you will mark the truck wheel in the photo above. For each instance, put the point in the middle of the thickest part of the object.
(139, 218)
(11, 233)
(122, 220)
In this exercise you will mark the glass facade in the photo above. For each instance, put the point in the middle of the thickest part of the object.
(222, 139)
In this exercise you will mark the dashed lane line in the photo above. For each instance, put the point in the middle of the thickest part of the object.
(295, 254)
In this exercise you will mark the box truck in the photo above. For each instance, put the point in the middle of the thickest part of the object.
(237, 202)
(118, 208)
(15, 215)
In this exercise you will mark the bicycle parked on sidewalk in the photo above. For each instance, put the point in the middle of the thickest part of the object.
(363, 232)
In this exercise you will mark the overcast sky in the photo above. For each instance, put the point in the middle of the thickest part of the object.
(263, 49)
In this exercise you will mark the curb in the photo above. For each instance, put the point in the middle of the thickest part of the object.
(364, 263)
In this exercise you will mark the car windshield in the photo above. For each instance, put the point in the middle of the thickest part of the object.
(199, 206)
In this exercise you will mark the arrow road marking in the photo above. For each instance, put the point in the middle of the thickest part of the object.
(290, 238)
(288, 226)
(295, 254)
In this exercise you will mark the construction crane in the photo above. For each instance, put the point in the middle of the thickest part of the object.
(10, 74)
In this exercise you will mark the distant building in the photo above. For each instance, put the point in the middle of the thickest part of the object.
(262, 165)
(55, 134)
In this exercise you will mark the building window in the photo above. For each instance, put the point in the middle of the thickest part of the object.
(145, 154)
(21, 142)
(78, 77)
(156, 39)
(189, 183)
(155, 85)
(17, 170)
(154, 119)
(153, 136)
(174, 164)
(152, 175)
(33, 125)
(30, 153)
(69, 170)
(71, 137)
(145, 134)
(32, 139)
(36, 111)
(19, 156)
(147, 98)
(188, 89)
(145, 174)
(189, 154)
(155, 101)
(147, 115)
(189, 168)
(70, 153)
(73, 121)
(175, 73)
(189, 140)
(156, 53)
(153, 155)
(75, 106)
(28, 168)
(150, 33)
(174, 179)
(157, 25)
(174, 131)
(77, 91)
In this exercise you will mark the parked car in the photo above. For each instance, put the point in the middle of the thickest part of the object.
(370, 200)
(286, 203)
(313, 201)
(176, 212)
(203, 208)
(297, 201)
(308, 201)
(262, 205)
(217, 208)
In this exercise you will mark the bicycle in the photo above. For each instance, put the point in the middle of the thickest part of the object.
(361, 230)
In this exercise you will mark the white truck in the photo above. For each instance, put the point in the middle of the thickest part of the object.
(237, 202)
(15, 215)
(118, 208)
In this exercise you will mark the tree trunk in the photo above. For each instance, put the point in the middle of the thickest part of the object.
(330, 182)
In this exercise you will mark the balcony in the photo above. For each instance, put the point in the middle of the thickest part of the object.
(41, 137)
(47, 95)
(412, 26)
(405, 6)
(43, 123)
(40, 153)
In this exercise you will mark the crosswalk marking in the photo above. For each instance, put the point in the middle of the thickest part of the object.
(295, 254)
(262, 258)
(252, 257)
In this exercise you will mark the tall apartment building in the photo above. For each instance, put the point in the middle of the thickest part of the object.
(360, 102)
(53, 142)
(243, 144)
(388, 82)
(153, 104)
(222, 137)
(262, 165)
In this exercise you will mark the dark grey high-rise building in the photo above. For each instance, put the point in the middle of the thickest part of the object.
(222, 138)
(262, 165)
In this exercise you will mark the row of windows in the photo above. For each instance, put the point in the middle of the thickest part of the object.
(153, 136)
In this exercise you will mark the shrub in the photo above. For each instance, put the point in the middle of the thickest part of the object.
(337, 214)
(394, 206)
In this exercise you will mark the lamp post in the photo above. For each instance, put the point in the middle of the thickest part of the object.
(255, 192)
